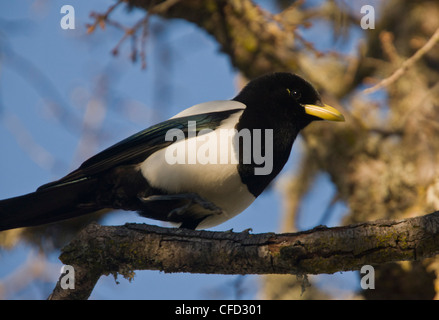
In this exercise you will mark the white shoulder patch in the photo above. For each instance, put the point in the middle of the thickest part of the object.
(215, 180)
(211, 106)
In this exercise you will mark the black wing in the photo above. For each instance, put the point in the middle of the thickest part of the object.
(136, 148)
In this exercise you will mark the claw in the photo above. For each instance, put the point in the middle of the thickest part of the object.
(179, 211)
(247, 231)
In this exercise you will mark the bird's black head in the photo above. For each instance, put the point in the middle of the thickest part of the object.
(286, 96)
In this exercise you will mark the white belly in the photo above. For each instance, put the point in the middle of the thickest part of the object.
(217, 180)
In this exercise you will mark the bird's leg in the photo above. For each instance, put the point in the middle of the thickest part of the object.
(189, 198)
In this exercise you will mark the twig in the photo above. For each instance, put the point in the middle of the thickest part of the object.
(389, 49)
(131, 32)
(161, 8)
(100, 19)
(405, 65)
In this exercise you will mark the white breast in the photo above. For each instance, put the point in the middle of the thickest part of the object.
(215, 180)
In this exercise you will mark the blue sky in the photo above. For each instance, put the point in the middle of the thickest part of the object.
(41, 64)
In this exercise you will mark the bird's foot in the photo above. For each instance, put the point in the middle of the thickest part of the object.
(189, 199)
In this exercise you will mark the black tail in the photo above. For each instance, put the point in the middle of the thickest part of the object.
(49, 205)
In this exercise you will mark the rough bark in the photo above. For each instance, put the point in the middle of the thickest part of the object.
(102, 250)
(255, 42)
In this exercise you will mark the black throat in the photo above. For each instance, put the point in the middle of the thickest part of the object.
(284, 130)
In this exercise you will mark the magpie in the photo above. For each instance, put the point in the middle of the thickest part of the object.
(196, 170)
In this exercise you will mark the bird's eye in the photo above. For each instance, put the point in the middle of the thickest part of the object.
(294, 93)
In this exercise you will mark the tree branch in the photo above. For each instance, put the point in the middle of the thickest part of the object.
(253, 38)
(405, 65)
(102, 250)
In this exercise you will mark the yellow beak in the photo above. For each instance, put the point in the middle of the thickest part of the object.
(324, 112)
